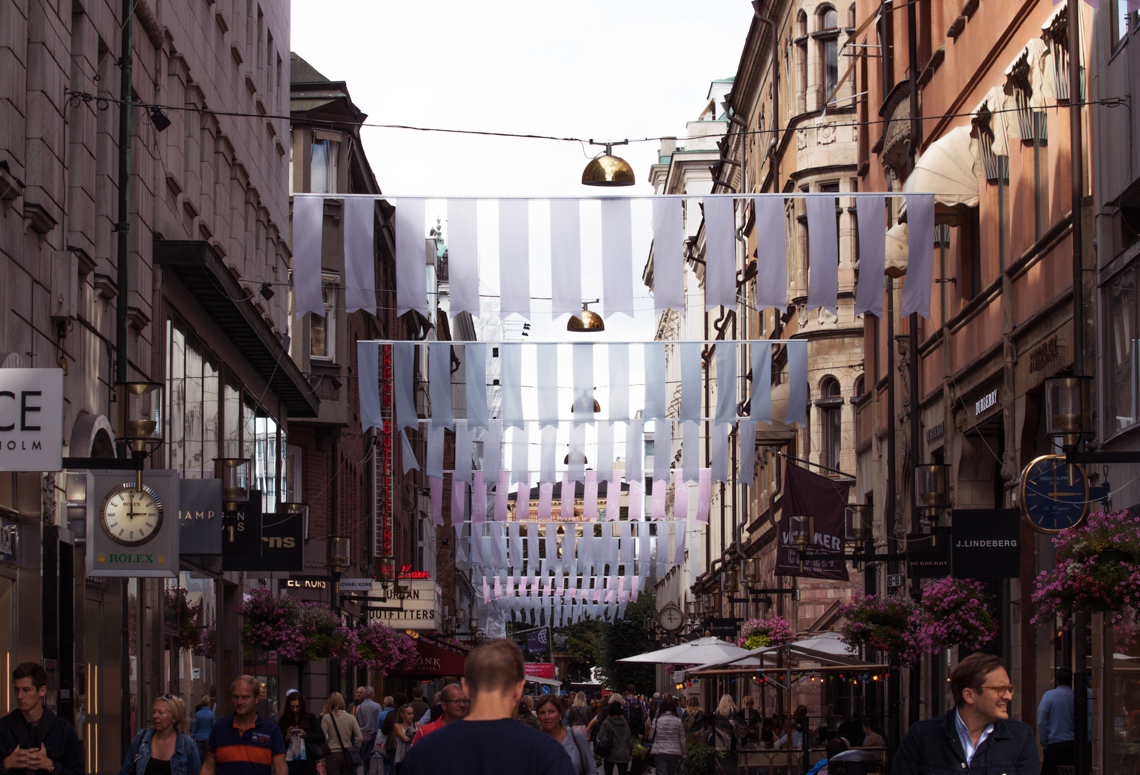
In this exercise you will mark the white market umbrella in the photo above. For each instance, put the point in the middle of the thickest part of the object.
(696, 652)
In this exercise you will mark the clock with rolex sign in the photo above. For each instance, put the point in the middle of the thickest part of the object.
(1054, 494)
(130, 516)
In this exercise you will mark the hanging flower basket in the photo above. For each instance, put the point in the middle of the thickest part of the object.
(208, 641)
(325, 635)
(883, 623)
(183, 617)
(273, 623)
(1097, 569)
(760, 633)
(954, 612)
(378, 648)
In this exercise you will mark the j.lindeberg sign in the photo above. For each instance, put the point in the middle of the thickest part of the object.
(31, 419)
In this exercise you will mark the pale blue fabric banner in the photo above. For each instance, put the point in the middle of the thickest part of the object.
(797, 384)
(761, 398)
(411, 255)
(617, 257)
(403, 384)
(690, 450)
(435, 452)
(463, 449)
(719, 461)
(368, 379)
(720, 253)
(577, 454)
(511, 382)
(634, 450)
(619, 382)
(565, 257)
(475, 368)
(726, 383)
(547, 454)
(823, 254)
(920, 255)
(308, 223)
(439, 385)
(583, 383)
(514, 257)
(547, 384)
(493, 451)
(463, 255)
(872, 211)
(771, 254)
(407, 454)
(656, 400)
(359, 254)
(605, 462)
(691, 373)
(662, 449)
(520, 455)
(747, 432)
(668, 255)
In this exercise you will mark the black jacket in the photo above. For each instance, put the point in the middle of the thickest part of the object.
(57, 736)
(932, 747)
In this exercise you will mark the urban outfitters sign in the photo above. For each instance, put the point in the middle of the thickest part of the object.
(412, 604)
(31, 419)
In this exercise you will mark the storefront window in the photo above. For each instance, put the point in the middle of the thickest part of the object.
(1121, 363)
(233, 421)
(192, 412)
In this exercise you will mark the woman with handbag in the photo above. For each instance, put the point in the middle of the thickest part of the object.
(667, 735)
(343, 735)
(615, 742)
(305, 743)
(550, 710)
(164, 749)
(405, 729)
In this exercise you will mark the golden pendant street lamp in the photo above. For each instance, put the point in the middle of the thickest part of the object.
(586, 323)
(608, 170)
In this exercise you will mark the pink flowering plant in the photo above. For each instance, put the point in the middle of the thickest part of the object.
(761, 633)
(378, 648)
(883, 623)
(208, 641)
(953, 612)
(273, 623)
(1097, 569)
(183, 616)
(325, 633)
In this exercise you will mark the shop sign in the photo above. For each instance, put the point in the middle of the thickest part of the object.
(385, 541)
(985, 403)
(724, 628)
(389, 571)
(296, 583)
(282, 546)
(241, 532)
(936, 432)
(1044, 354)
(355, 585)
(986, 544)
(413, 604)
(31, 419)
(432, 660)
(539, 669)
(9, 541)
(200, 516)
(809, 493)
(154, 552)
(925, 559)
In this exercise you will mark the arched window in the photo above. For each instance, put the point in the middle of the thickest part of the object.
(831, 423)
(829, 49)
(851, 16)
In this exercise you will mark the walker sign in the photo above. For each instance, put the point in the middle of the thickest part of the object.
(31, 419)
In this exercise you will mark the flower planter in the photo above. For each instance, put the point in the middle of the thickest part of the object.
(1113, 555)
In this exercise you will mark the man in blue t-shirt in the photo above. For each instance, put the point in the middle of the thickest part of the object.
(245, 743)
(489, 741)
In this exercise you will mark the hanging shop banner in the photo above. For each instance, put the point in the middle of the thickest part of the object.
(282, 546)
(132, 533)
(539, 669)
(927, 556)
(31, 419)
(536, 642)
(826, 500)
(200, 516)
(986, 544)
(433, 660)
(410, 604)
(241, 533)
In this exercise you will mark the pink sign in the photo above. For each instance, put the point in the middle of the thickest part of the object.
(539, 669)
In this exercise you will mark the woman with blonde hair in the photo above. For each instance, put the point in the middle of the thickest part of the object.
(342, 735)
(579, 714)
(165, 748)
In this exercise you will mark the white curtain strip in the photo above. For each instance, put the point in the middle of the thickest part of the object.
(797, 384)
(634, 448)
(679, 552)
(360, 255)
(520, 455)
(565, 257)
(725, 384)
(435, 486)
(920, 255)
(493, 451)
(463, 450)
(567, 493)
(719, 462)
(510, 354)
(439, 386)
(668, 256)
(872, 212)
(463, 255)
(617, 257)
(514, 542)
(577, 454)
(760, 408)
(475, 377)
(308, 223)
(704, 495)
(458, 501)
(636, 499)
(720, 253)
(823, 254)
(411, 256)
(514, 257)
(771, 254)
(625, 535)
(746, 430)
(403, 384)
(478, 501)
(552, 547)
(368, 371)
(407, 453)
(690, 381)
(662, 449)
(605, 462)
(681, 498)
(548, 385)
(690, 450)
(656, 390)
(590, 497)
(435, 452)
(661, 555)
(522, 495)
(583, 383)
(532, 546)
(502, 495)
(547, 454)
(618, 408)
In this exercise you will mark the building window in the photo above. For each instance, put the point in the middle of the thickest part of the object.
(1123, 21)
(323, 168)
(1122, 350)
(322, 331)
(193, 403)
(802, 65)
(831, 423)
(829, 50)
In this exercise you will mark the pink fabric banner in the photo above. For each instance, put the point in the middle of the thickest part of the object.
(704, 495)
(486, 589)
(522, 495)
(590, 505)
(436, 501)
(636, 501)
(634, 583)
(660, 487)
(458, 496)
(478, 498)
(567, 509)
(501, 494)
(498, 588)
(545, 496)
(681, 498)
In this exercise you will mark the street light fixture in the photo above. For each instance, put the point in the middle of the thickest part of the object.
(586, 323)
(608, 170)
(1068, 412)
(139, 421)
(802, 528)
(932, 489)
(290, 507)
(233, 472)
(339, 555)
(860, 529)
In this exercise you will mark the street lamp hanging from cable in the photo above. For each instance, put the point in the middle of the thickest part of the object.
(608, 170)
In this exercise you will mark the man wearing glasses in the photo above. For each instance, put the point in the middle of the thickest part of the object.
(455, 706)
(976, 738)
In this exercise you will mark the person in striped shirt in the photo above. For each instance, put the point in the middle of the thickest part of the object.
(245, 743)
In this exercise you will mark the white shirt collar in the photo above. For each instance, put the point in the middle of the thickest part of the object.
(964, 736)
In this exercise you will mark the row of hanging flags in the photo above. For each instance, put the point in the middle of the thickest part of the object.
(618, 260)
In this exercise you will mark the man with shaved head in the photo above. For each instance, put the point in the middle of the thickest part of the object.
(455, 706)
(488, 740)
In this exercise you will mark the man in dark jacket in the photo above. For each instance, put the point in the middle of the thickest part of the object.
(977, 737)
(32, 738)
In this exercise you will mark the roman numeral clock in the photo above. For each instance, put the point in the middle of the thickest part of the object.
(130, 516)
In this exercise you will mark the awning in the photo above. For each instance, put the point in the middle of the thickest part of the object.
(1029, 68)
(946, 169)
(694, 652)
(204, 273)
(825, 649)
(431, 660)
(991, 112)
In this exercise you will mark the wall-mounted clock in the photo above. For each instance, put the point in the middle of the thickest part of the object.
(671, 617)
(1050, 500)
(129, 516)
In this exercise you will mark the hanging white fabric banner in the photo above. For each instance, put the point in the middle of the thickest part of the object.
(411, 257)
(463, 450)
(691, 373)
(655, 385)
(726, 383)
(690, 450)
(520, 455)
(552, 546)
(704, 495)
(516, 547)
(547, 454)
(872, 211)
(493, 451)
(746, 430)
(565, 257)
(679, 552)
(719, 461)
(617, 257)
(368, 380)
(583, 383)
(919, 255)
(668, 255)
(463, 255)
(359, 254)
(661, 551)
(407, 453)
(590, 499)
(681, 499)
(478, 498)
(566, 491)
(532, 547)
(502, 494)
(435, 487)
(720, 252)
(797, 384)
(475, 368)
(658, 498)
(308, 223)
(611, 543)
(435, 451)
(577, 454)
(547, 384)
(458, 501)
(523, 494)
(403, 384)
(760, 409)
(605, 462)
(619, 381)
(634, 447)
(636, 499)
(625, 555)
(771, 254)
(514, 257)
(511, 381)
(662, 449)
(439, 384)
(823, 254)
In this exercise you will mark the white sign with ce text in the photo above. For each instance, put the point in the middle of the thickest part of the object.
(31, 419)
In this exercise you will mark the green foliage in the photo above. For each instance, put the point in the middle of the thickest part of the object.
(628, 637)
(584, 642)
(697, 758)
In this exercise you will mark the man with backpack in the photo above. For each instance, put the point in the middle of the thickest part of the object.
(635, 712)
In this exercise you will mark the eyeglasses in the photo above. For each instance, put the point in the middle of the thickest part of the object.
(1002, 689)
(458, 702)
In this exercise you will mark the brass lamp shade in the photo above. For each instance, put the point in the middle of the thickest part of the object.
(588, 322)
(607, 170)
(585, 460)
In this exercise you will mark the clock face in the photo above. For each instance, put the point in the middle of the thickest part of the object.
(1050, 500)
(130, 517)
(671, 618)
